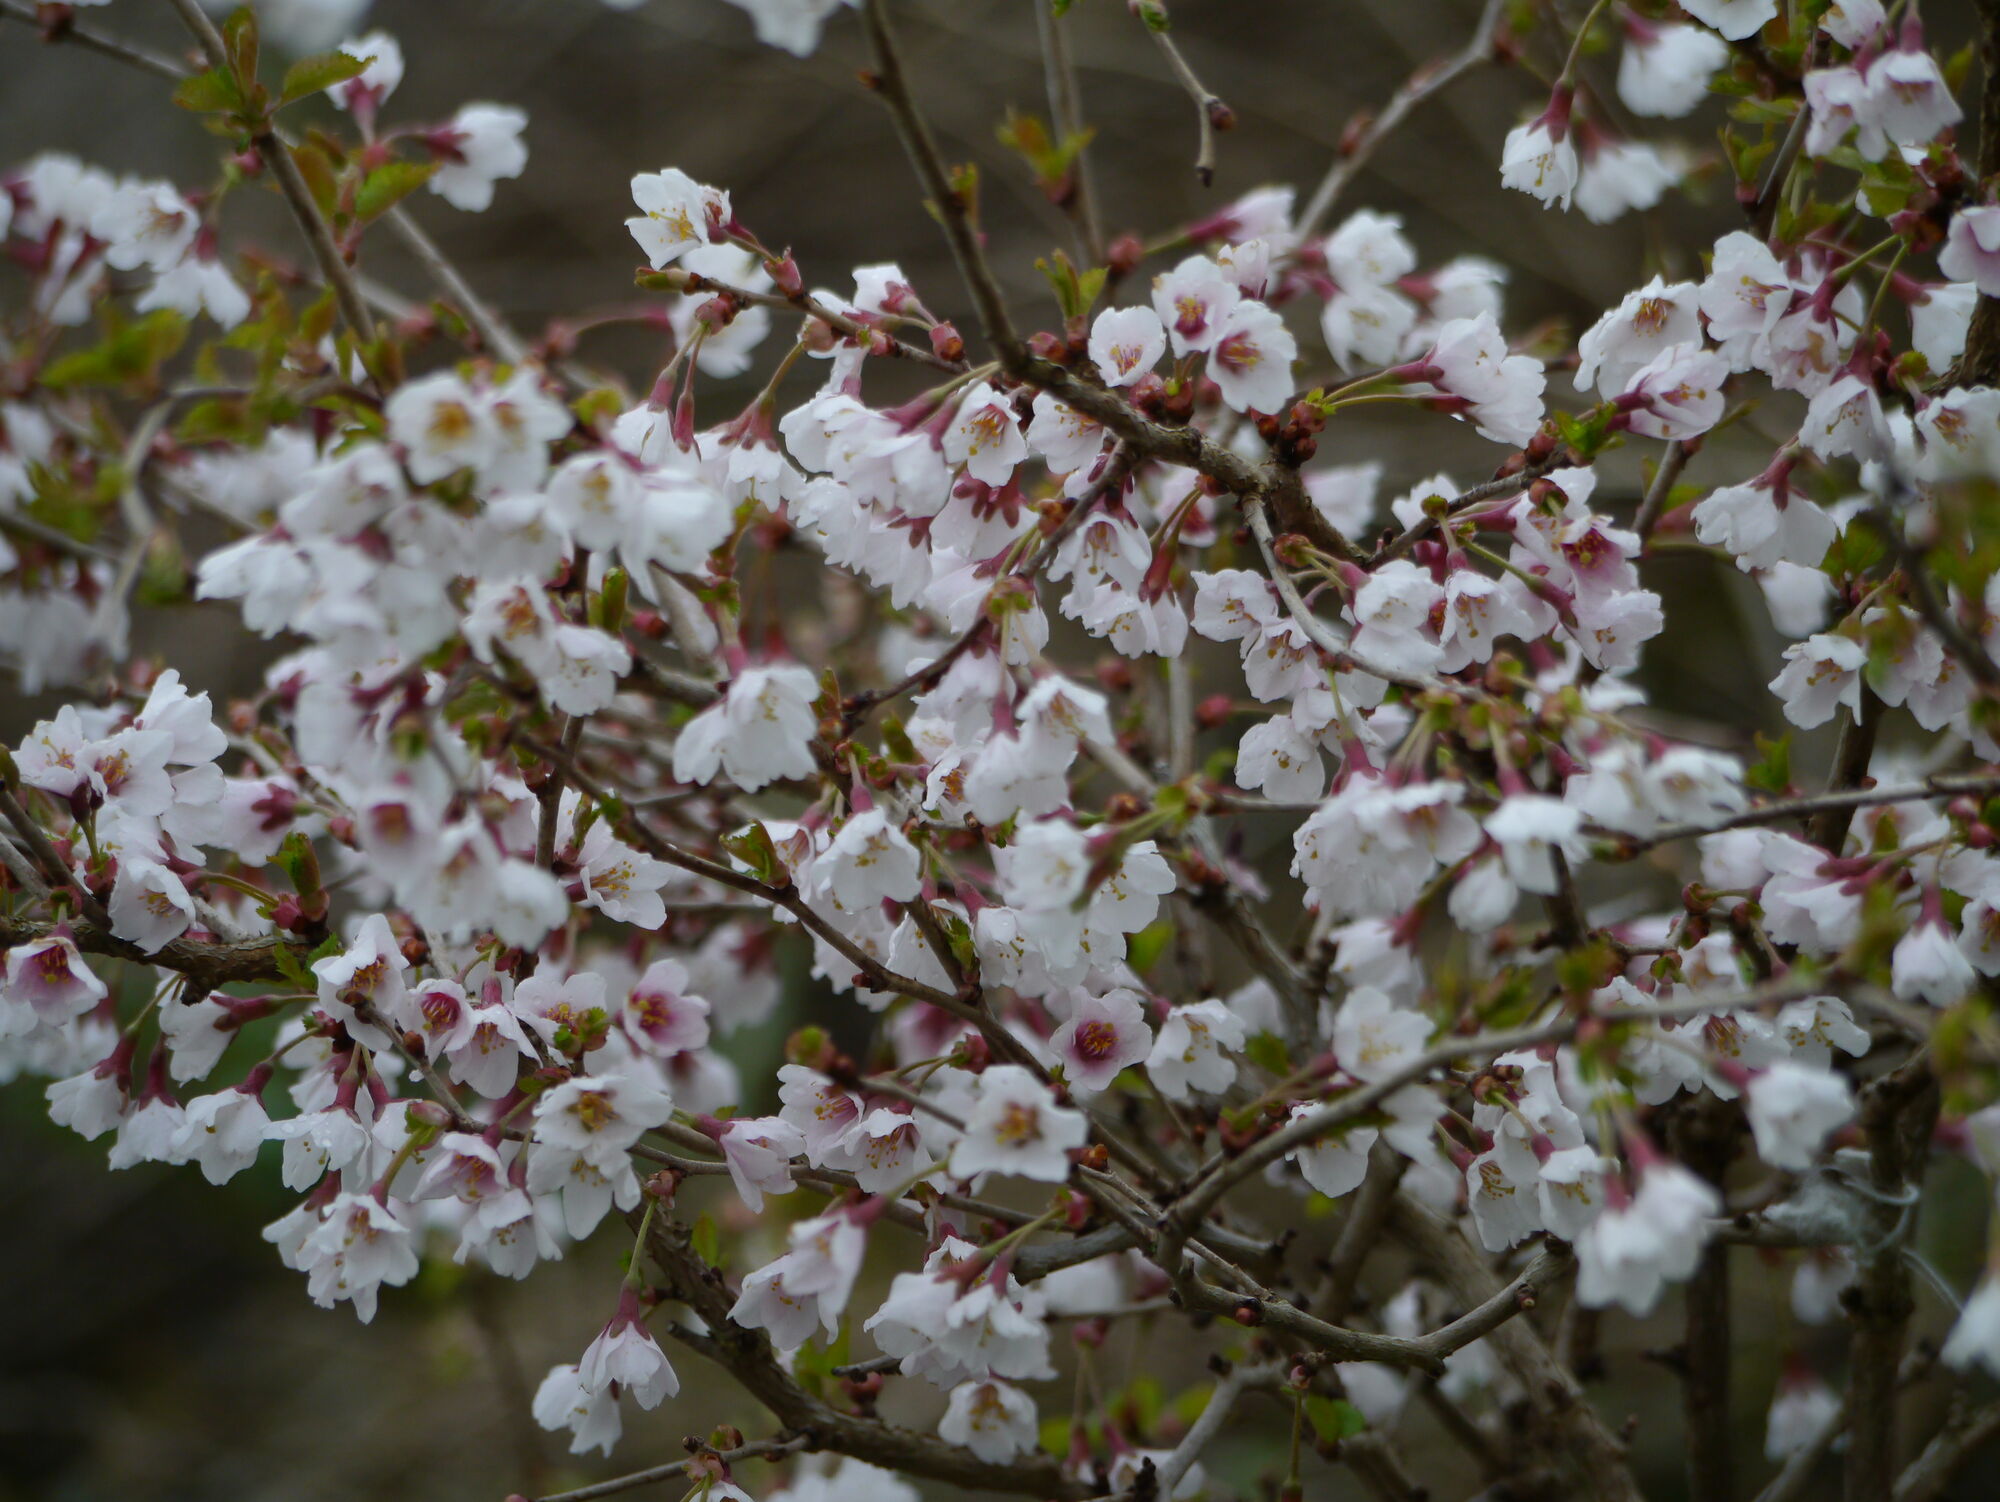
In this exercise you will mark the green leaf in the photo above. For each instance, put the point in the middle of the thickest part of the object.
(316, 74)
(1075, 291)
(752, 846)
(129, 354)
(1267, 1052)
(1333, 1419)
(1145, 947)
(388, 185)
(239, 37)
(209, 93)
(1772, 771)
(706, 1242)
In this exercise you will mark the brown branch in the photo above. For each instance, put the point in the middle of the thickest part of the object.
(1223, 1173)
(76, 34)
(1851, 756)
(493, 330)
(1420, 86)
(1066, 116)
(206, 963)
(1965, 1433)
(1979, 363)
(953, 213)
(1898, 1112)
(876, 338)
(332, 264)
(1210, 112)
(1465, 500)
(1575, 1433)
(1837, 802)
(760, 1449)
(1924, 598)
(1703, 1133)
(747, 1356)
(1654, 506)
(50, 859)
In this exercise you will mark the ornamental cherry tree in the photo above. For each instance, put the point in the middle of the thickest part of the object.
(1561, 1010)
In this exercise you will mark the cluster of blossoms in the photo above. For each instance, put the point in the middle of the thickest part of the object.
(548, 768)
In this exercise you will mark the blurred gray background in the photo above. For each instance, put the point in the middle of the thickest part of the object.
(152, 1349)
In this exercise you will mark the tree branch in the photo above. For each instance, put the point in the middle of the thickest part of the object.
(748, 1357)
(1420, 86)
(333, 266)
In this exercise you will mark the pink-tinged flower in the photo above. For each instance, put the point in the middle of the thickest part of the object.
(359, 1246)
(1540, 156)
(1735, 19)
(1501, 392)
(824, 1114)
(1745, 294)
(474, 149)
(986, 436)
(626, 1356)
(1016, 1127)
(870, 861)
(223, 1130)
(150, 906)
(1191, 1051)
(1193, 300)
(808, 1286)
(591, 1416)
(1926, 965)
(1335, 1164)
(1251, 359)
(661, 1014)
(48, 977)
(1126, 343)
(1972, 249)
(1820, 674)
(1975, 1339)
(759, 1152)
(1802, 1410)
(1908, 96)
(1792, 1108)
(994, 1421)
(1853, 22)
(367, 977)
(466, 1168)
(1373, 1037)
(1105, 1034)
(1678, 395)
(1638, 1245)
(1664, 70)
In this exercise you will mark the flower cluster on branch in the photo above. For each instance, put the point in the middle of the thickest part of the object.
(586, 706)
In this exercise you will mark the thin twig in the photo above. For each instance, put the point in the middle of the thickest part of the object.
(763, 1449)
(1420, 86)
(1211, 113)
(1066, 116)
(76, 34)
(319, 237)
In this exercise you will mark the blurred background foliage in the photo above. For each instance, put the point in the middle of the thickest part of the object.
(153, 1350)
